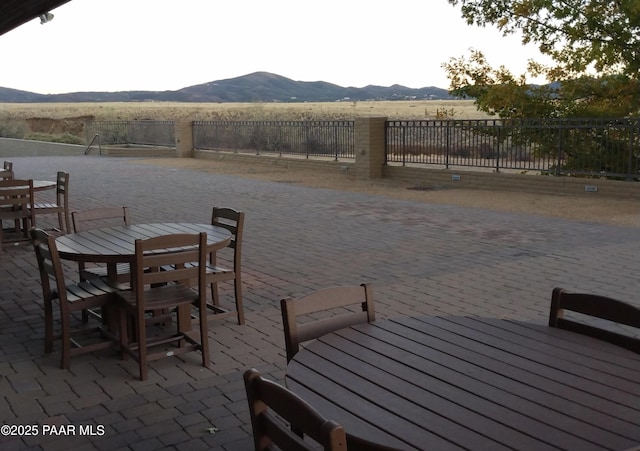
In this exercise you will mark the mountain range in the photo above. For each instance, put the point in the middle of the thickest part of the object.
(255, 87)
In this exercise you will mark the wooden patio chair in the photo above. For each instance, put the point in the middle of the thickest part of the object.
(167, 290)
(271, 403)
(16, 205)
(597, 306)
(71, 299)
(232, 220)
(101, 217)
(61, 206)
(334, 298)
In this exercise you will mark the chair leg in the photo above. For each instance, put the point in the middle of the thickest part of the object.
(215, 298)
(142, 346)
(237, 287)
(61, 224)
(25, 227)
(204, 336)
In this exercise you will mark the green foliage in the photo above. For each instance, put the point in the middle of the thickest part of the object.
(595, 71)
(11, 129)
(66, 138)
(593, 45)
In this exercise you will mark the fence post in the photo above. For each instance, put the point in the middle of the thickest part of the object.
(448, 151)
(370, 146)
(631, 140)
(184, 138)
(499, 140)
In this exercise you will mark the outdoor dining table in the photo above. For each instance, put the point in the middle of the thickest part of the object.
(43, 185)
(472, 383)
(113, 245)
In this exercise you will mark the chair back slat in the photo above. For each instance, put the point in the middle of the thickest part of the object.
(16, 193)
(233, 221)
(50, 267)
(597, 306)
(349, 305)
(271, 403)
(99, 217)
(62, 186)
(171, 252)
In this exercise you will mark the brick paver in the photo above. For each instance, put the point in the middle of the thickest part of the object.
(420, 258)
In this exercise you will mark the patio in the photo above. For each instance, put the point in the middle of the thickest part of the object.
(420, 259)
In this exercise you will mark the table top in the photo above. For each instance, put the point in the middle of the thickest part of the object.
(475, 383)
(117, 244)
(42, 185)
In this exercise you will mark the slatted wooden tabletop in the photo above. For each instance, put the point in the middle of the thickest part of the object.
(43, 185)
(472, 383)
(39, 185)
(117, 244)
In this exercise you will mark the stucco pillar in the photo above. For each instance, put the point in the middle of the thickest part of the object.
(183, 131)
(369, 147)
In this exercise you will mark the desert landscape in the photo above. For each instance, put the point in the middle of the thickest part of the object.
(54, 121)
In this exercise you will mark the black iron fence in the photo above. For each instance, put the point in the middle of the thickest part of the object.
(582, 147)
(332, 139)
(142, 133)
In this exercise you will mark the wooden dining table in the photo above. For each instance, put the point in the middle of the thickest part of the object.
(42, 185)
(473, 383)
(113, 245)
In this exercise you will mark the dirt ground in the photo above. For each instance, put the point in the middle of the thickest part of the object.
(622, 212)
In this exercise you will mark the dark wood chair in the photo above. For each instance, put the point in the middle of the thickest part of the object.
(71, 298)
(101, 217)
(233, 221)
(593, 305)
(165, 291)
(17, 206)
(61, 206)
(334, 298)
(271, 403)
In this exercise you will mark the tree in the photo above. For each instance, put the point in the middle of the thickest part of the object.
(594, 46)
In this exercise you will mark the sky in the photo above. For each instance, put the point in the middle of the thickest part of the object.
(157, 45)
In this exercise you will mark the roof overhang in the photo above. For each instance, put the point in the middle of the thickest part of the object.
(14, 13)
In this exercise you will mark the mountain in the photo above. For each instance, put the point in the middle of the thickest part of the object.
(8, 95)
(255, 87)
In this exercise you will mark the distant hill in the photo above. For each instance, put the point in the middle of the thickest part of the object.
(255, 87)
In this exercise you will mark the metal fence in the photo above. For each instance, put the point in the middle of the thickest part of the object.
(583, 147)
(332, 139)
(143, 133)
